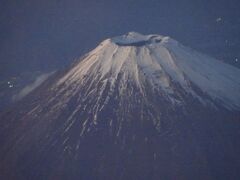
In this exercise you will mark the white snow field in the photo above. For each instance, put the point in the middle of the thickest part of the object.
(160, 61)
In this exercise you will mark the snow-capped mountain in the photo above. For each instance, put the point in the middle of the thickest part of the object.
(160, 61)
(136, 107)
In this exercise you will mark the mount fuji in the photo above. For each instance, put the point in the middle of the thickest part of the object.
(137, 107)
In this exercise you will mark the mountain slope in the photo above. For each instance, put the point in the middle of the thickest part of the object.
(136, 107)
(161, 61)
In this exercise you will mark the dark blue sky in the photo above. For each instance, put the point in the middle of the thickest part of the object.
(45, 35)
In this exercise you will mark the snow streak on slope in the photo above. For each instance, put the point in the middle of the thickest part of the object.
(160, 62)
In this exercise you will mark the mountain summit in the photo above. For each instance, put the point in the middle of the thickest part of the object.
(161, 62)
(135, 107)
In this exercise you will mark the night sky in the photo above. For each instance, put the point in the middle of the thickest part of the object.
(47, 35)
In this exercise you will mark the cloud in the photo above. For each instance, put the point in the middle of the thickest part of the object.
(29, 88)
